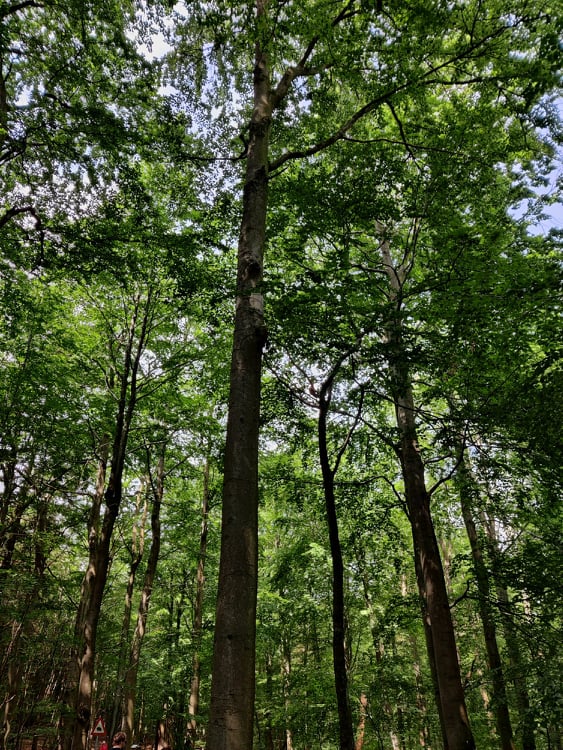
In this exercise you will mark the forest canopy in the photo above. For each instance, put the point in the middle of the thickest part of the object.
(281, 375)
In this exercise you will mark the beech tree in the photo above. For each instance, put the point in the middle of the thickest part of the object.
(379, 153)
(340, 59)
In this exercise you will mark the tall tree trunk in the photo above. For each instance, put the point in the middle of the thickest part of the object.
(233, 681)
(198, 609)
(527, 728)
(499, 703)
(137, 551)
(346, 727)
(442, 651)
(233, 676)
(150, 573)
(72, 681)
(94, 582)
(286, 680)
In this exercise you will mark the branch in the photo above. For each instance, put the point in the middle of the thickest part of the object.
(462, 596)
(401, 131)
(20, 6)
(447, 477)
(301, 69)
(385, 98)
(15, 210)
(351, 431)
(340, 133)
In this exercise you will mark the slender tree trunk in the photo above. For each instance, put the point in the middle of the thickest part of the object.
(233, 678)
(361, 731)
(286, 679)
(150, 573)
(346, 726)
(137, 550)
(442, 651)
(100, 538)
(499, 704)
(198, 609)
(526, 719)
(3, 104)
(71, 689)
(386, 708)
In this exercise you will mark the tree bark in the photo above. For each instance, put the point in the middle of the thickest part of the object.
(100, 538)
(233, 679)
(361, 731)
(442, 651)
(137, 551)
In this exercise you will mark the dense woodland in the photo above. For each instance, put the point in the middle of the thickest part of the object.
(281, 374)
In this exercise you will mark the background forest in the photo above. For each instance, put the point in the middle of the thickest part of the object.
(349, 534)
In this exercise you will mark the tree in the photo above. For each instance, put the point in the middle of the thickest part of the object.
(423, 118)
(500, 700)
(327, 45)
(157, 487)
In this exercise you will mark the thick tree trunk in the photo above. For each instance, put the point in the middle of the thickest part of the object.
(139, 634)
(442, 651)
(432, 587)
(233, 679)
(500, 701)
(198, 610)
(428, 639)
(345, 722)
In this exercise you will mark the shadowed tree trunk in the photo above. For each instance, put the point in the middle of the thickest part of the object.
(499, 705)
(150, 573)
(442, 651)
(100, 535)
(198, 609)
(137, 551)
(345, 723)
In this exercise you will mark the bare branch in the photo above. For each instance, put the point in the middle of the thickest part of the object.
(15, 210)
(401, 131)
(10, 10)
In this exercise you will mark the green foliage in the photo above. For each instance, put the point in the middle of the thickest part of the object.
(120, 184)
